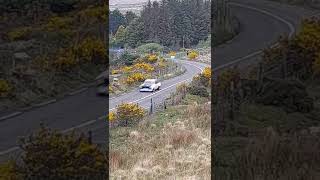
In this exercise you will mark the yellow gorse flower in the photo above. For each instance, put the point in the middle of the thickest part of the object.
(129, 111)
(127, 69)
(136, 77)
(152, 58)
(19, 33)
(144, 66)
(4, 87)
(172, 53)
(115, 71)
(207, 72)
(112, 116)
(193, 55)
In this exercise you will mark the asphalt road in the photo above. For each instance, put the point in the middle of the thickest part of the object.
(86, 111)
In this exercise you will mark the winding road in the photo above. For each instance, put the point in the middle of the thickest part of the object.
(262, 22)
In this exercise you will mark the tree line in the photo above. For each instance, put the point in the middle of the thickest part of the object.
(172, 23)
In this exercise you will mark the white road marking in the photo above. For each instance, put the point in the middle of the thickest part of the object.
(78, 91)
(9, 150)
(45, 103)
(10, 115)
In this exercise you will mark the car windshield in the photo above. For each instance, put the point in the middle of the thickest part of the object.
(148, 82)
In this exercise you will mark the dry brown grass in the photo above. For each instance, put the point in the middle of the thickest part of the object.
(280, 157)
(179, 149)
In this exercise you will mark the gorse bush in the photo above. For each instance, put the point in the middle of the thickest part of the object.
(207, 73)
(144, 66)
(21, 33)
(136, 77)
(110, 89)
(9, 170)
(58, 23)
(127, 69)
(90, 48)
(202, 79)
(205, 77)
(48, 154)
(129, 112)
(115, 71)
(112, 116)
(5, 88)
(308, 41)
(172, 53)
(193, 55)
(65, 60)
(309, 36)
(226, 77)
(152, 58)
(162, 63)
(302, 50)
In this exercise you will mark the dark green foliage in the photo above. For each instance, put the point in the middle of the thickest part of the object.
(55, 6)
(51, 155)
(61, 7)
(116, 19)
(198, 90)
(150, 48)
(135, 31)
(289, 94)
(130, 16)
(127, 58)
(172, 23)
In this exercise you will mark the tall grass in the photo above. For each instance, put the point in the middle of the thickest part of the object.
(179, 149)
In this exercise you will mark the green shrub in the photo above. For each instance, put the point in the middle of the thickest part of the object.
(198, 91)
(150, 48)
(128, 58)
(205, 43)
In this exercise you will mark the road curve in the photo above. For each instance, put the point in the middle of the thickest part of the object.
(168, 86)
(262, 22)
(86, 111)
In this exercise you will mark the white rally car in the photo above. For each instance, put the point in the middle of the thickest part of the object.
(150, 85)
